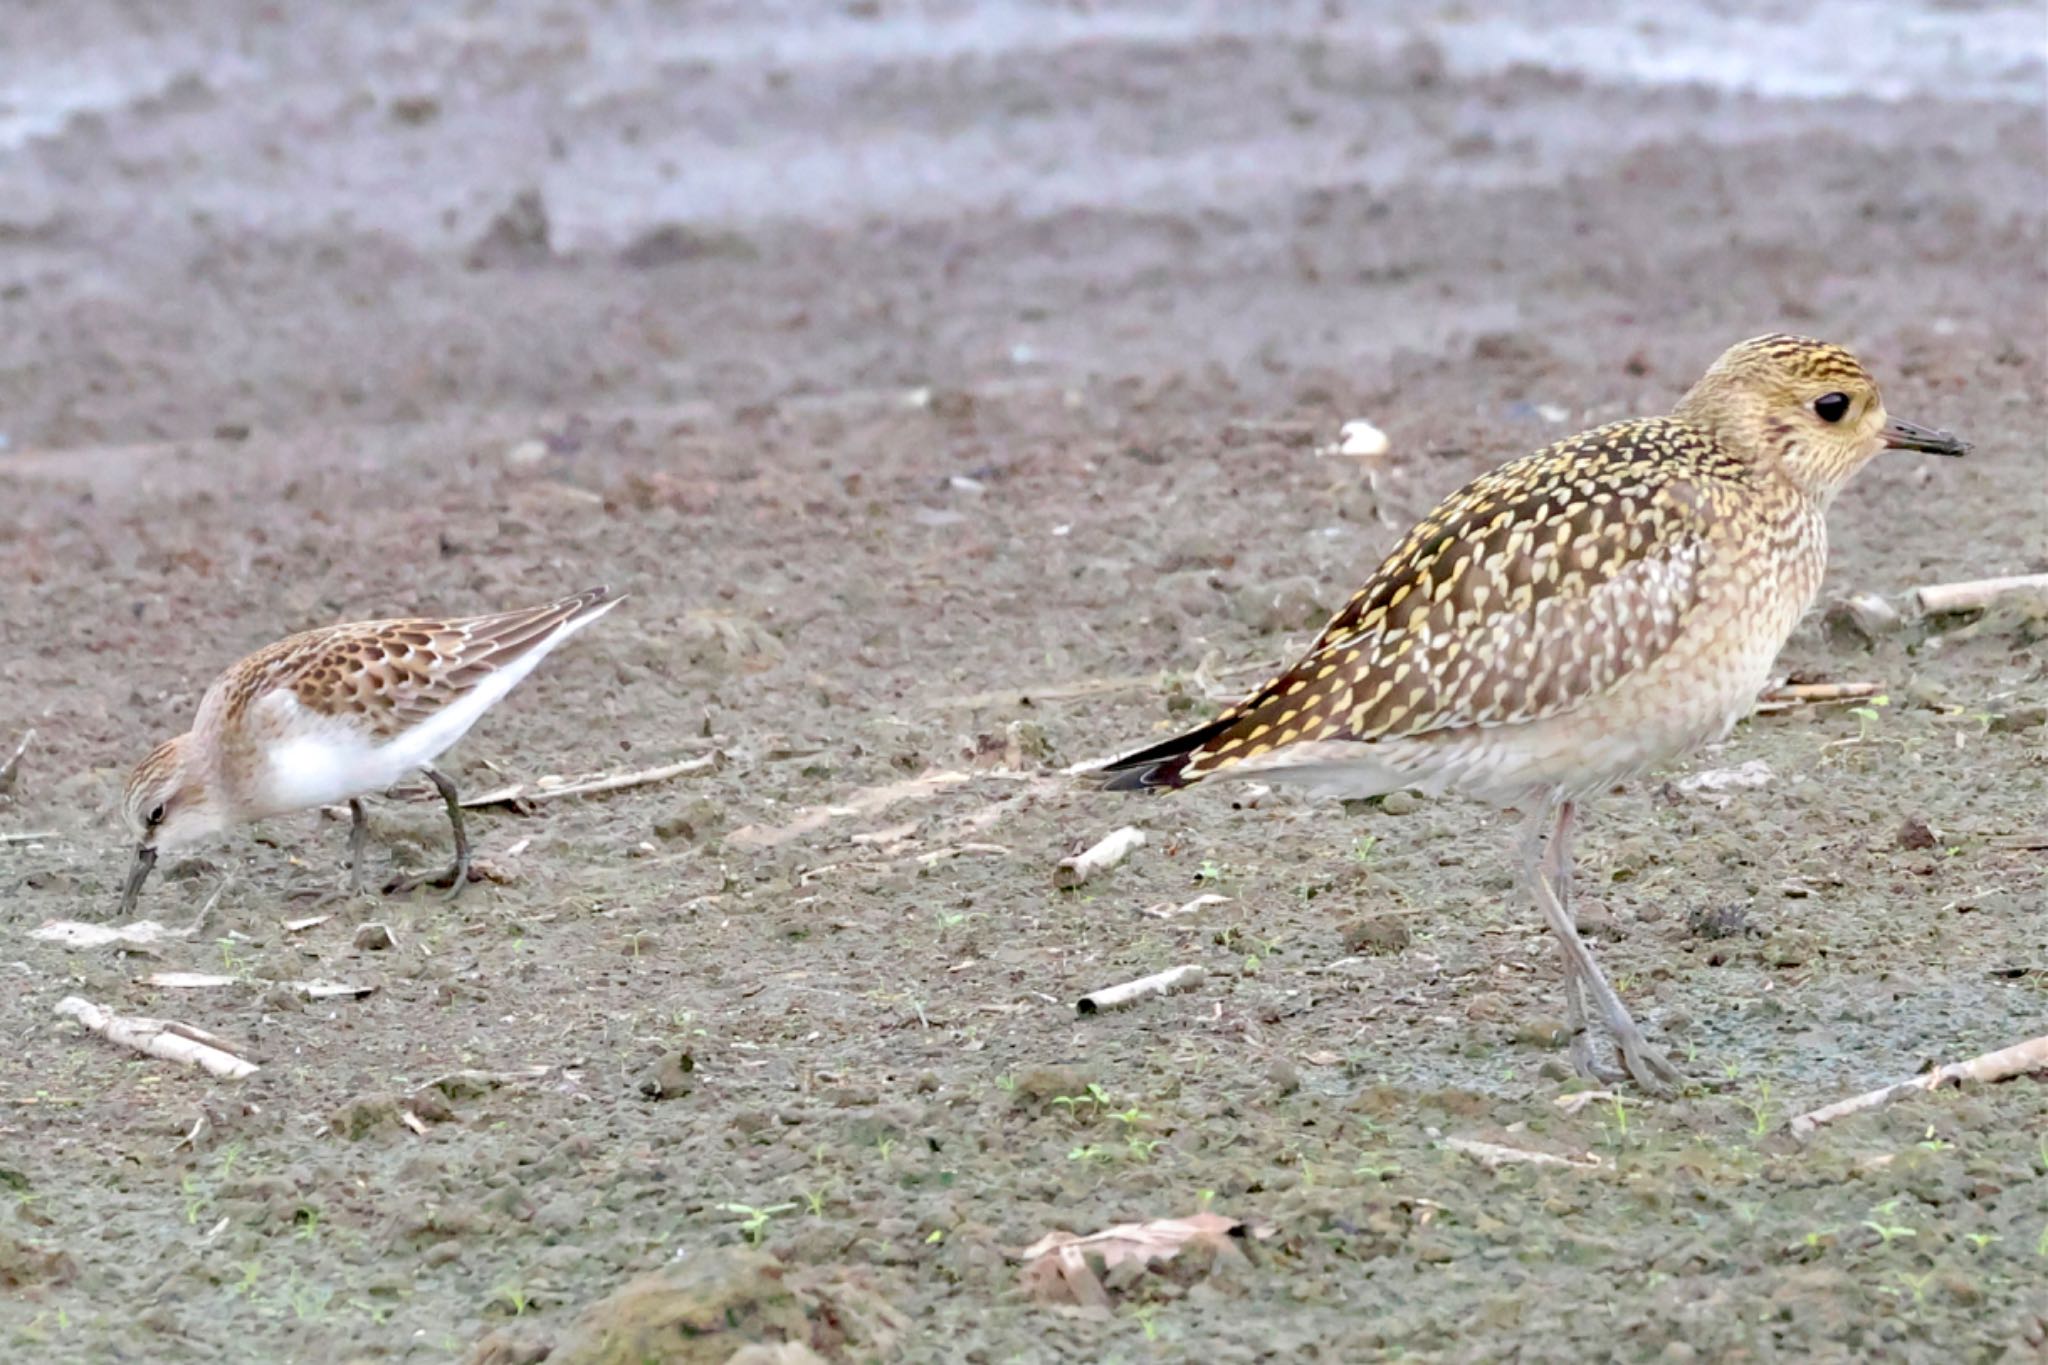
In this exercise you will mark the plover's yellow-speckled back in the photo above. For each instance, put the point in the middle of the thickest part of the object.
(1573, 618)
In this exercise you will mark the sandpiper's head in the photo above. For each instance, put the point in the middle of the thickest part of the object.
(1807, 405)
(166, 808)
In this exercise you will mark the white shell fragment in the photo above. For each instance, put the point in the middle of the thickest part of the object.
(1361, 438)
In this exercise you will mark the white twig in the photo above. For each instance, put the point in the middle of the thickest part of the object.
(1131, 992)
(1938, 599)
(9, 770)
(1776, 699)
(2002, 1065)
(544, 790)
(1088, 687)
(79, 934)
(186, 981)
(1168, 910)
(34, 836)
(1494, 1155)
(158, 1038)
(869, 801)
(1106, 853)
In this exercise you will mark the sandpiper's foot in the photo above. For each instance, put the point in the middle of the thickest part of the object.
(457, 876)
(320, 895)
(452, 879)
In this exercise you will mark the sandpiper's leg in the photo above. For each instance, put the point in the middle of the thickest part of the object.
(358, 826)
(456, 877)
(1645, 1064)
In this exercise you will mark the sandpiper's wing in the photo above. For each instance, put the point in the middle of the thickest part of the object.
(1528, 591)
(390, 676)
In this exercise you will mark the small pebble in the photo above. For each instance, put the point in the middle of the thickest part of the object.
(669, 1077)
(526, 455)
(1377, 934)
(1718, 921)
(1360, 437)
(1046, 1083)
(1865, 617)
(1915, 834)
(1543, 1030)
(1595, 920)
(1401, 803)
(1789, 948)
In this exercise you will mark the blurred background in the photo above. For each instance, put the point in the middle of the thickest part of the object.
(221, 215)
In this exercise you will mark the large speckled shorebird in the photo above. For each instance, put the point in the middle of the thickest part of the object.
(1569, 621)
(333, 713)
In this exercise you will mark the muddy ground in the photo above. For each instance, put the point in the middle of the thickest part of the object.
(945, 391)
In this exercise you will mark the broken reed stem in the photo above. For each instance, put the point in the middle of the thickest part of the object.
(1946, 599)
(534, 791)
(2004, 1064)
(1848, 691)
(1494, 1155)
(158, 1038)
(1087, 687)
(1105, 854)
(11, 768)
(1131, 992)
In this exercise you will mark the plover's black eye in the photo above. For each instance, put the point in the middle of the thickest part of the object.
(1831, 407)
(155, 817)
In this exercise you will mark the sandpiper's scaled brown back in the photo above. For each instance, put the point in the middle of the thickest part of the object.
(1570, 620)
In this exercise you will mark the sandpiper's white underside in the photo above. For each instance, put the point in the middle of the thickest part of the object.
(321, 759)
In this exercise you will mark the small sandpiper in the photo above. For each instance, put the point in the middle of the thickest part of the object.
(1571, 620)
(331, 714)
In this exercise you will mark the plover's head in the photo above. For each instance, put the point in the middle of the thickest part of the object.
(1808, 406)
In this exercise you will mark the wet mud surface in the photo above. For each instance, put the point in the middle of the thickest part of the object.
(921, 493)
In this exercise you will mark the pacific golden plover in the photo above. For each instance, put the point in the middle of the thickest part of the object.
(333, 713)
(1570, 620)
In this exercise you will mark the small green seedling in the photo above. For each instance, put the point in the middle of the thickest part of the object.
(1760, 1109)
(754, 1222)
(1376, 1167)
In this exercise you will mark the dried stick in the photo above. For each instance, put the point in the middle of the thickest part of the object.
(871, 801)
(1088, 687)
(1938, 599)
(34, 836)
(1131, 992)
(1494, 1155)
(9, 769)
(2002, 1065)
(540, 791)
(1792, 693)
(158, 1038)
(1105, 854)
